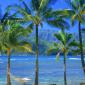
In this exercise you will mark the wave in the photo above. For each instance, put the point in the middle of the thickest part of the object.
(75, 58)
(41, 58)
(26, 79)
(21, 80)
(15, 59)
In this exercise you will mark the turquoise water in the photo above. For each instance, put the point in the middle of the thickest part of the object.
(50, 70)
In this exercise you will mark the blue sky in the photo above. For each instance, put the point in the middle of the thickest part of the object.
(59, 5)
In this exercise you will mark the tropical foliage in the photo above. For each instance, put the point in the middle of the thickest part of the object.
(20, 20)
(77, 13)
(12, 40)
(39, 11)
(65, 44)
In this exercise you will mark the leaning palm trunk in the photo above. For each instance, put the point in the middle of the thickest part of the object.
(8, 68)
(65, 79)
(81, 48)
(36, 71)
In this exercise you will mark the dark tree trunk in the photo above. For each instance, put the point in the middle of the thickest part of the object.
(81, 48)
(36, 71)
(8, 69)
(65, 79)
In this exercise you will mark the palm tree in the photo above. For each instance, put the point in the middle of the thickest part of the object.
(64, 45)
(77, 12)
(40, 11)
(3, 22)
(12, 41)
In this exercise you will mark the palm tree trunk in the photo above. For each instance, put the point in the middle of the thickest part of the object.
(8, 68)
(36, 71)
(65, 79)
(81, 48)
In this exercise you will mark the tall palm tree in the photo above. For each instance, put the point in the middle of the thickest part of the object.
(38, 12)
(77, 13)
(65, 44)
(11, 41)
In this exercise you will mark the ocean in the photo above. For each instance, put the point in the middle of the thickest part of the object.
(50, 70)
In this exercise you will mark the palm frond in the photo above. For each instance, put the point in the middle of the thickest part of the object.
(83, 12)
(60, 38)
(24, 49)
(27, 9)
(73, 43)
(74, 17)
(72, 4)
(69, 37)
(64, 13)
(12, 38)
(59, 23)
(43, 4)
(80, 18)
(53, 49)
(29, 28)
(35, 4)
(55, 44)
(75, 51)
(81, 2)
(21, 11)
(4, 17)
(83, 7)
(63, 36)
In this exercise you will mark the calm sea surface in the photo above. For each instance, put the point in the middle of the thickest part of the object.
(50, 70)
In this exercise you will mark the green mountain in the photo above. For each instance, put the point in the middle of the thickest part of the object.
(46, 39)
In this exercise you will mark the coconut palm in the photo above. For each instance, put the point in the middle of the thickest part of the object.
(77, 13)
(65, 44)
(38, 12)
(12, 39)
